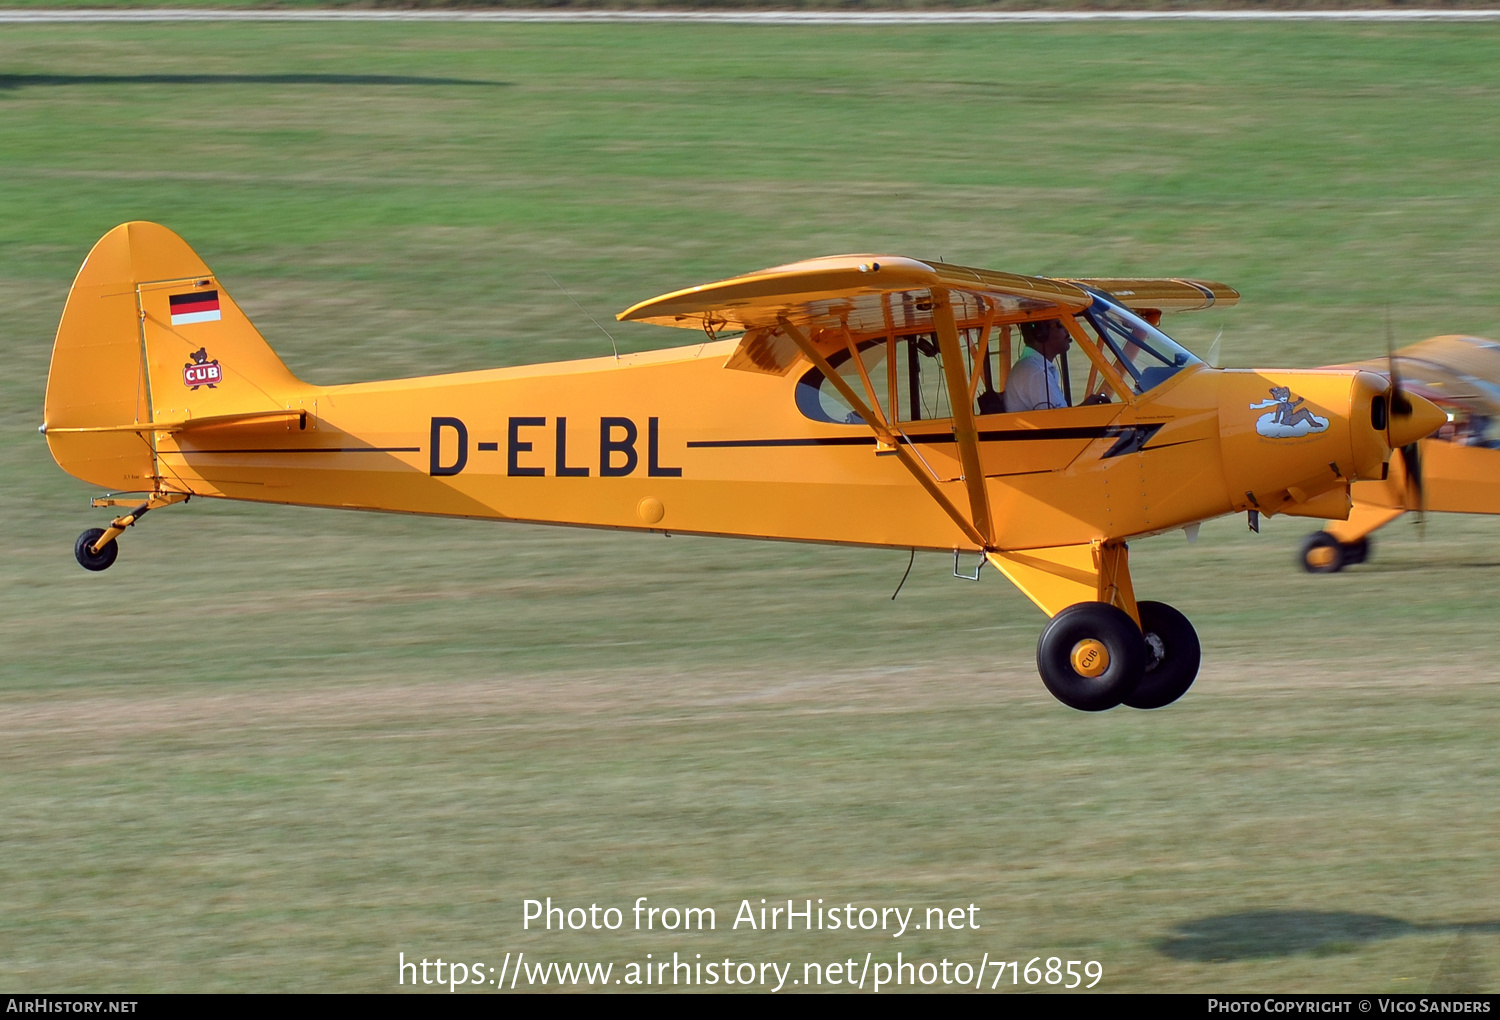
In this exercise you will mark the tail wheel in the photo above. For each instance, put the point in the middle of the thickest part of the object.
(1322, 554)
(83, 549)
(1091, 656)
(1172, 660)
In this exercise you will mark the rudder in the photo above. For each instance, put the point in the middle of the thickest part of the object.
(149, 337)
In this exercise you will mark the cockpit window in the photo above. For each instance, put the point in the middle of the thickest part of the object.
(904, 372)
(901, 377)
(821, 401)
(1143, 353)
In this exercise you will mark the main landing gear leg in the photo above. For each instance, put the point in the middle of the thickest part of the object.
(96, 548)
(1102, 648)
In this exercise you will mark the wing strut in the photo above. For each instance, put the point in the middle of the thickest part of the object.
(883, 433)
(963, 412)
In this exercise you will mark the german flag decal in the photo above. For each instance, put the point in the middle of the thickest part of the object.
(202, 306)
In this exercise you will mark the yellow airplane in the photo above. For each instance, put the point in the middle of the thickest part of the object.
(1455, 470)
(863, 399)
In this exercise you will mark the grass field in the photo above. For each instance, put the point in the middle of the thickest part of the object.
(273, 748)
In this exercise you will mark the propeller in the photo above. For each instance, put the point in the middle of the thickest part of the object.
(1412, 462)
(1401, 407)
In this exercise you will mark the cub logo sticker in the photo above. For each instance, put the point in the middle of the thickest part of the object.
(202, 372)
(1288, 420)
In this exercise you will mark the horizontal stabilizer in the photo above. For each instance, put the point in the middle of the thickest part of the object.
(257, 419)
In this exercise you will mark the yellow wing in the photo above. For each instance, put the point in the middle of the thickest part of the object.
(869, 295)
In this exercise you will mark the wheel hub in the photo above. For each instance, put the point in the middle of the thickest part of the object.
(1090, 658)
(1322, 556)
(1158, 649)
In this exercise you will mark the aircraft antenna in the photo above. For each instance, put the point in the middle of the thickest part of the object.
(612, 345)
(905, 575)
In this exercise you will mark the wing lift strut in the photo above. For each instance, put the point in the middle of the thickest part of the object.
(1054, 578)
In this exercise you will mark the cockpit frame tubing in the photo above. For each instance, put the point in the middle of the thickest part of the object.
(903, 453)
(859, 364)
(982, 356)
(1091, 351)
(892, 374)
(1004, 352)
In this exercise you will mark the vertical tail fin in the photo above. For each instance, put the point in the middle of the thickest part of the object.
(149, 337)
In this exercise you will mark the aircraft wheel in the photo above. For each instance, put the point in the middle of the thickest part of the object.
(90, 560)
(1357, 552)
(1172, 657)
(1091, 656)
(1322, 554)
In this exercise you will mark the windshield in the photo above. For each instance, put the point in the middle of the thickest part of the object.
(1145, 355)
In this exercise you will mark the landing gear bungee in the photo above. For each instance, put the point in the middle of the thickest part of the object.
(97, 548)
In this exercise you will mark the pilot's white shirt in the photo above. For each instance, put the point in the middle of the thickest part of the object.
(1033, 384)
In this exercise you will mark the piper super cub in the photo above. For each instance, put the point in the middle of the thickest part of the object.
(865, 399)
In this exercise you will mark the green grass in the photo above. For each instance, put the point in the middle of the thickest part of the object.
(731, 5)
(273, 747)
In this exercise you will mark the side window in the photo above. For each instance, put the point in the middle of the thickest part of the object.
(1080, 379)
(1074, 374)
(903, 376)
(994, 370)
(921, 386)
(820, 400)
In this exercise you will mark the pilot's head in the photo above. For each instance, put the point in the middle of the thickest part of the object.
(1049, 338)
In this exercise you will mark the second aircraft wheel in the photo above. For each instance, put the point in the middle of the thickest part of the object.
(1091, 656)
(1172, 657)
(90, 560)
(1357, 552)
(1322, 554)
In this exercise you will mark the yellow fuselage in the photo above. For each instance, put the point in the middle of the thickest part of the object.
(668, 440)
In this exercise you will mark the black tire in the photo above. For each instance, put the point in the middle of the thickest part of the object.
(1172, 659)
(90, 560)
(1321, 553)
(1357, 552)
(1121, 638)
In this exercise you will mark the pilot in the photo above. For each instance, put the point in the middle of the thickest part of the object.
(1475, 432)
(1033, 384)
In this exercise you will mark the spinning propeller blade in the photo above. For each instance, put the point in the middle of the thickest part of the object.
(1398, 423)
(1415, 497)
